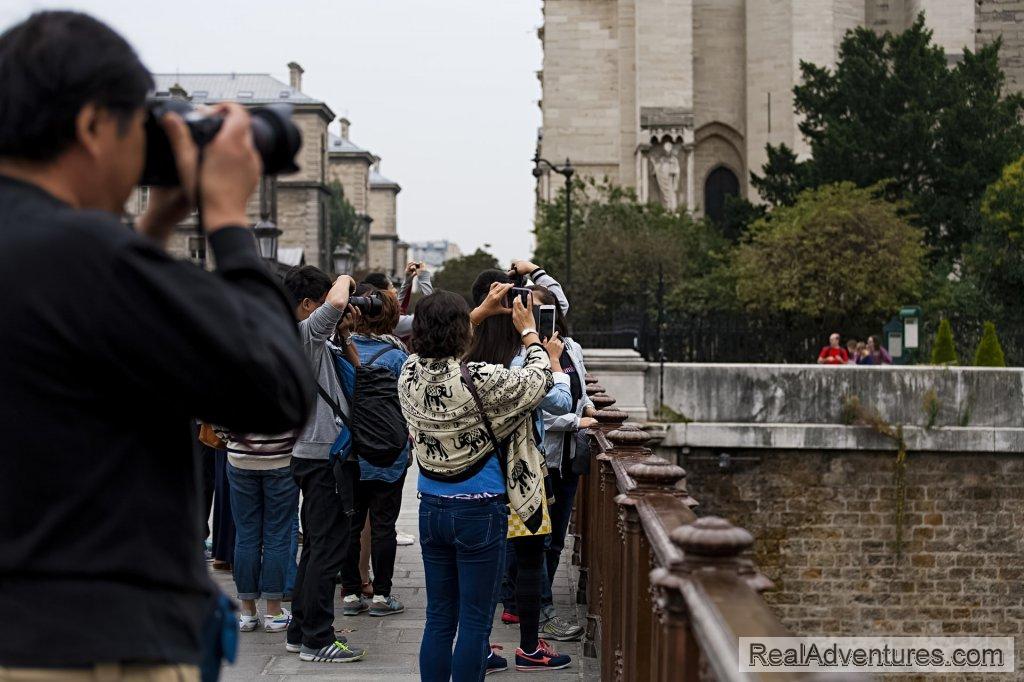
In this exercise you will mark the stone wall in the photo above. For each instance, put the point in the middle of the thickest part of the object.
(1004, 18)
(301, 216)
(814, 394)
(353, 172)
(581, 115)
(825, 531)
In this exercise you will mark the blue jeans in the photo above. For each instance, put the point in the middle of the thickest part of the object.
(463, 545)
(263, 504)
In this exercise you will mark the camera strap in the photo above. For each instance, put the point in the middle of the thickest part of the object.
(467, 379)
(200, 223)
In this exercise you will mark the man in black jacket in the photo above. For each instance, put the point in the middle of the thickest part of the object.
(108, 347)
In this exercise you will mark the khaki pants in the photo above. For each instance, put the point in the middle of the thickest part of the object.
(106, 672)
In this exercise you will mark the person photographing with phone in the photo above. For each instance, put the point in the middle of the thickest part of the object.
(111, 353)
(471, 425)
(495, 341)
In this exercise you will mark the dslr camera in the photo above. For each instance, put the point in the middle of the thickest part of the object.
(369, 306)
(276, 138)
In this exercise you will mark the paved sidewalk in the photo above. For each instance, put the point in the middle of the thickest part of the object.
(393, 642)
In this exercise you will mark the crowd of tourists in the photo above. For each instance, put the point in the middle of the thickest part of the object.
(870, 352)
(495, 414)
(133, 384)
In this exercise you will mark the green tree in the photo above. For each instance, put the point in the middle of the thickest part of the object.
(343, 224)
(893, 112)
(944, 350)
(837, 251)
(997, 258)
(990, 352)
(622, 247)
(458, 274)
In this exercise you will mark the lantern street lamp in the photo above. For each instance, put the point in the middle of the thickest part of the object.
(265, 230)
(341, 259)
(567, 171)
(266, 233)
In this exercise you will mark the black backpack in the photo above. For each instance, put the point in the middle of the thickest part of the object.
(376, 424)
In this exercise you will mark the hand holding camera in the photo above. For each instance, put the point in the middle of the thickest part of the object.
(230, 170)
(412, 269)
(522, 268)
(340, 292)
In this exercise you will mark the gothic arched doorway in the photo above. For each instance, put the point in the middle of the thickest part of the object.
(721, 182)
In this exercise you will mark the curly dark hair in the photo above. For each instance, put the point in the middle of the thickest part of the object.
(441, 328)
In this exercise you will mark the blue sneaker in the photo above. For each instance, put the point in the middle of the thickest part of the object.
(544, 658)
(495, 663)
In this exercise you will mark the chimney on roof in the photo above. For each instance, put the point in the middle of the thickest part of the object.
(178, 92)
(295, 75)
(344, 123)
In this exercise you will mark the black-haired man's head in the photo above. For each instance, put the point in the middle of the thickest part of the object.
(308, 286)
(378, 280)
(72, 97)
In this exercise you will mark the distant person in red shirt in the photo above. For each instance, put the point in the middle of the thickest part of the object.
(833, 353)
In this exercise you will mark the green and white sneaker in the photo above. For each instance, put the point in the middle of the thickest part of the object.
(248, 622)
(336, 652)
(278, 623)
(385, 606)
(354, 604)
(560, 630)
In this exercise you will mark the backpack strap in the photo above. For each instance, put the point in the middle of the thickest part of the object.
(467, 379)
(332, 404)
(383, 351)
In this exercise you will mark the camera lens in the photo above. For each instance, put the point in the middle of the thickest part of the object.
(276, 138)
(370, 306)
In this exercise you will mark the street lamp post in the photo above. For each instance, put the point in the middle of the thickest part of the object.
(341, 259)
(567, 171)
(265, 230)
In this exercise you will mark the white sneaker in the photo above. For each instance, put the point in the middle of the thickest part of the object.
(247, 622)
(405, 539)
(278, 623)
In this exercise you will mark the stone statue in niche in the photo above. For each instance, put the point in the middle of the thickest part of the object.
(667, 172)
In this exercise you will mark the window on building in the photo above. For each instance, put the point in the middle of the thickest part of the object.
(721, 183)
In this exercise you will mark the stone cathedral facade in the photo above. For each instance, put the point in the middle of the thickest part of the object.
(678, 98)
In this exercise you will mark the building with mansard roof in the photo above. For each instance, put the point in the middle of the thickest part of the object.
(297, 203)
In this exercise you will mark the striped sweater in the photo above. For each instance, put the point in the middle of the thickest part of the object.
(259, 452)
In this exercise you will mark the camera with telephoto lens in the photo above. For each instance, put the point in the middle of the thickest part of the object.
(369, 306)
(276, 138)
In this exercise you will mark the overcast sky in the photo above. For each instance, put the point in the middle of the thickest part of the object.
(445, 91)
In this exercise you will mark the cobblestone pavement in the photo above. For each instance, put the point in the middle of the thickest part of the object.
(393, 642)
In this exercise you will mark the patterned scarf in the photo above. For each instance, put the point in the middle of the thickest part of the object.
(448, 432)
(386, 338)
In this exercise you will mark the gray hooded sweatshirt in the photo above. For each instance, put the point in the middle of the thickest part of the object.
(322, 429)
